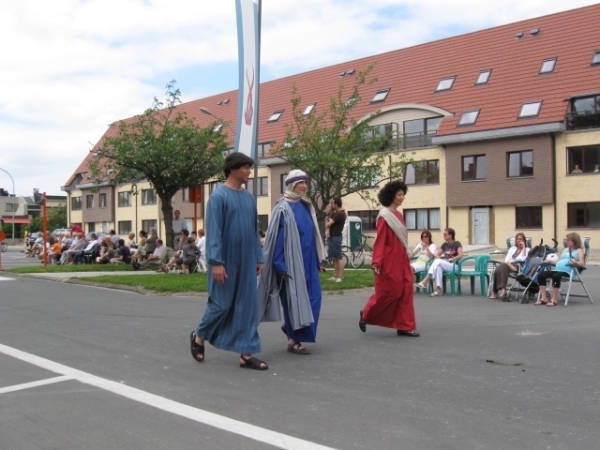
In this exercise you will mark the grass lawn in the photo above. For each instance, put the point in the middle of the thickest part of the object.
(73, 268)
(197, 282)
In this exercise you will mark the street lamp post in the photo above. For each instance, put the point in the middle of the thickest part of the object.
(13, 205)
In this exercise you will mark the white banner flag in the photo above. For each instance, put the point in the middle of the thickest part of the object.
(249, 64)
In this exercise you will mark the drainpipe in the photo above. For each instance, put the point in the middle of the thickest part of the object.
(554, 180)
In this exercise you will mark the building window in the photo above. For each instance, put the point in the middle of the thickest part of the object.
(124, 227)
(104, 227)
(282, 178)
(11, 207)
(520, 164)
(275, 116)
(596, 58)
(263, 222)
(548, 65)
(422, 219)
(89, 202)
(468, 118)
(147, 224)
(528, 217)
(445, 84)
(585, 113)
(91, 227)
(262, 188)
(148, 196)
(213, 186)
(364, 178)
(185, 194)
(484, 77)
(309, 109)
(102, 200)
(124, 199)
(368, 218)
(584, 215)
(585, 159)
(473, 168)
(422, 172)
(75, 203)
(380, 96)
(419, 132)
(530, 110)
(263, 149)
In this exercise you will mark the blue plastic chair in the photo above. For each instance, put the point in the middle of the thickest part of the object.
(480, 270)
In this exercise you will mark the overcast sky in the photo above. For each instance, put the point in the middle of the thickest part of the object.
(69, 68)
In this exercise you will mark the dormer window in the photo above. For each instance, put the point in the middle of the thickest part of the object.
(530, 110)
(596, 58)
(548, 65)
(468, 118)
(445, 84)
(484, 77)
(275, 116)
(309, 109)
(380, 96)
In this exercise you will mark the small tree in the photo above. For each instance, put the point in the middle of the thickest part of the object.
(340, 155)
(164, 147)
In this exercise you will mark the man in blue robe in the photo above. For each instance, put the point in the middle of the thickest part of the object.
(234, 257)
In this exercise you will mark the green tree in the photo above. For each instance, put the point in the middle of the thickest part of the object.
(162, 146)
(341, 155)
(57, 217)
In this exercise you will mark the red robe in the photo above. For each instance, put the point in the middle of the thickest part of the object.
(392, 304)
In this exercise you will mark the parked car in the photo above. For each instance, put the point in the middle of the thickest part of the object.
(61, 231)
(100, 235)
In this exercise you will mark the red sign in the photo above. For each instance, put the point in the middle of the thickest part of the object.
(196, 194)
(2, 235)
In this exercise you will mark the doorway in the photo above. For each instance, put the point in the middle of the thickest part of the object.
(480, 219)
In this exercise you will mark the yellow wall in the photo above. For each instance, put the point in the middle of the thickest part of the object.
(575, 188)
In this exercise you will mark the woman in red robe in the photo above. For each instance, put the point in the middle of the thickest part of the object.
(392, 304)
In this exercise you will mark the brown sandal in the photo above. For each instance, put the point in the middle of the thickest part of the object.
(297, 348)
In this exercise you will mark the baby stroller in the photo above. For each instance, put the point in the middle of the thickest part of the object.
(526, 280)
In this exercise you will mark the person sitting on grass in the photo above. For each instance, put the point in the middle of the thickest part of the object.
(124, 254)
(156, 258)
(189, 257)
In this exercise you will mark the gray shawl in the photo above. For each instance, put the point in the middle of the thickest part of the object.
(268, 284)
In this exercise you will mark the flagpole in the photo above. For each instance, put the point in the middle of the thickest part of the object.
(256, 158)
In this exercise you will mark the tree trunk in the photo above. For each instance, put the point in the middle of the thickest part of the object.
(167, 210)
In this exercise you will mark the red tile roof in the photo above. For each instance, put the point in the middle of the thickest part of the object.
(414, 73)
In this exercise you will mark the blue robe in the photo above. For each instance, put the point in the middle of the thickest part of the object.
(311, 265)
(231, 315)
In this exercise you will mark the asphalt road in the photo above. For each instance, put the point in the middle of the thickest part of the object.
(112, 370)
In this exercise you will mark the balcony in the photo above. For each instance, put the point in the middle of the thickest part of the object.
(583, 120)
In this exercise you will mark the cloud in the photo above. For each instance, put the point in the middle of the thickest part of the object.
(70, 67)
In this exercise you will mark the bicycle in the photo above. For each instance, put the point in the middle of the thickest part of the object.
(357, 257)
(345, 252)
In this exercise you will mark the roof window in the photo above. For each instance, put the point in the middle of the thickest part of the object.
(380, 96)
(445, 84)
(530, 110)
(309, 109)
(468, 117)
(275, 116)
(483, 77)
(548, 65)
(596, 58)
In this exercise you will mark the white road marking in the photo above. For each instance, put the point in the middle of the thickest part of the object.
(19, 387)
(214, 420)
(6, 279)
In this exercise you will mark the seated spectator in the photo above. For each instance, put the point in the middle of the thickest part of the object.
(77, 246)
(103, 258)
(426, 251)
(573, 255)
(114, 236)
(79, 257)
(55, 250)
(202, 248)
(37, 247)
(445, 257)
(183, 237)
(131, 241)
(188, 258)
(124, 254)
(157, 257)
(151, 241)
(140, 252)
(516, 254)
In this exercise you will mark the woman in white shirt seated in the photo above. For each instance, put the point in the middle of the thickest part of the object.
(425, 250)
(516, 254)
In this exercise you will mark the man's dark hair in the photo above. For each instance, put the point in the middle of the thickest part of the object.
(337, 201)
(112, 232)
(121, 242)
(93, 236)
(185, 232)
(159, 242)
(191, 240)
(235, 161)
(388, 192)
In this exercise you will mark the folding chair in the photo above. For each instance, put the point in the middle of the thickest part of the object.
(575, 276)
